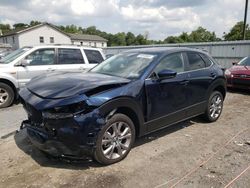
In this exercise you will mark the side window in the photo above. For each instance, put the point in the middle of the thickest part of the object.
(94, 56)
(70, 56)
(206, 59)
(195, 61)
(41, 57)
(171, 62)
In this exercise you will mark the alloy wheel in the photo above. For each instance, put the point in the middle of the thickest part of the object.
(215, 106)
(116, 140)
(3, 96)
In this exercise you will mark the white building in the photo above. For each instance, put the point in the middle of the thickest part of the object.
(46, 33)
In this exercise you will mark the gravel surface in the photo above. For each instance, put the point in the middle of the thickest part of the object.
(189, 154)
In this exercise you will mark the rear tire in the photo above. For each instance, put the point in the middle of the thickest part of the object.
(214, 106)
(115, 140)
(7, 95)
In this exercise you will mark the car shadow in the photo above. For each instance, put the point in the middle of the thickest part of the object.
(23, 143)
(239, 91)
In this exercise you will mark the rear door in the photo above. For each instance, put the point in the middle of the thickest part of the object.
(94, 57)
(40, 61)
(70, 59)
(200, 75)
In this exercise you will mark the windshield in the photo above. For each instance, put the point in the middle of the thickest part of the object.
(127, 65)
(245, 62)
(12, 56)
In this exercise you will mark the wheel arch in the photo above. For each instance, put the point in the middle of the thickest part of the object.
(127, 106)
(11, 84)
(218, 85)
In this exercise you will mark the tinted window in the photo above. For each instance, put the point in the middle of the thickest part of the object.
(206, 59)
(70, 56)
(41, 57)
(94, 56)
(171, 62)
(195, 61)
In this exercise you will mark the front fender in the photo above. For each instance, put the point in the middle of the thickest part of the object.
(9, 77)
(124, 102)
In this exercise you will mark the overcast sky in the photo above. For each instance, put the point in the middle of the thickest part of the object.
(159, 18)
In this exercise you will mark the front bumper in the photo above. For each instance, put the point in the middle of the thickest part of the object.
(70, 138)
(240, 83)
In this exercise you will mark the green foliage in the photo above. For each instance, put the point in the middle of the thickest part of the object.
(34, 22)
(236, 33)
(198, 35)
(126, 39)
(19, 26)
(5, 28)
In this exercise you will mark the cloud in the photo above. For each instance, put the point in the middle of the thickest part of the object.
(160, 18)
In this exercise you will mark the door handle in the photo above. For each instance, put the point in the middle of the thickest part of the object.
(50, 70)
(184, 82)
(81, 68)
(212, 74)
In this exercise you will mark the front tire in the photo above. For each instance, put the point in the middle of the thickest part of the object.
(7, 95)
(115, 140)
(214, 106)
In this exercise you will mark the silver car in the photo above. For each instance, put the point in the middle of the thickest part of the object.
(17, 68)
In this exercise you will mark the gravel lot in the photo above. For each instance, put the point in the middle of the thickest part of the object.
(189, 154)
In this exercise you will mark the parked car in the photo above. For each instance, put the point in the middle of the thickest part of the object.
(100, 113)
(238, 76)
(17, 68)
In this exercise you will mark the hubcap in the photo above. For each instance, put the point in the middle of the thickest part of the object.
(116, 140)
(215, 106)
(3, 96)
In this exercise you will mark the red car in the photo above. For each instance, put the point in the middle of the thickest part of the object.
(238, 76)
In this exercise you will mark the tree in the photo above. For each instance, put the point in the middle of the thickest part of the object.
(202, 35)
(173, 39)
(184, 37)
(18, 26)
(5, 28)
(130, 39)
(119, 39)
(236, 33)
(34, 22)
(140, 40)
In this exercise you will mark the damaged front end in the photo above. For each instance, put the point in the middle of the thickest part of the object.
(68, 130)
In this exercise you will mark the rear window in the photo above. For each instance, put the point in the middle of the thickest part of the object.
(195, 61)
(206, 59)
(94, 56)
(70, 56)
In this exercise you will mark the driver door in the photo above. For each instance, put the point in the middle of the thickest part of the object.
(167, 98)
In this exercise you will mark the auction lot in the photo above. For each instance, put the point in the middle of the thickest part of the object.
(189, 154)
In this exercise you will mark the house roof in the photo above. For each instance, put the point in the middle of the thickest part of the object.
(86, 37)
(72, 36)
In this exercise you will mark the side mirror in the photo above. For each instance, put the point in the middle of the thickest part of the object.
(166, 74)
(23, 63)
(234, 63)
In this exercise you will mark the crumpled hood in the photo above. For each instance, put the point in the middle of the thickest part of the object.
(66, 84)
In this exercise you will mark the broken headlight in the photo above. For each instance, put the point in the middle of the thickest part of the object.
(63, 112)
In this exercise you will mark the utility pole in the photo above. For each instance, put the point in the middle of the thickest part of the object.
(245, 20)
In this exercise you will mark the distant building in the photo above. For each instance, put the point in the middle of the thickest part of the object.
(46, 33)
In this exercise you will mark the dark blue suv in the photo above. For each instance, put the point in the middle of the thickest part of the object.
(100, 113)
